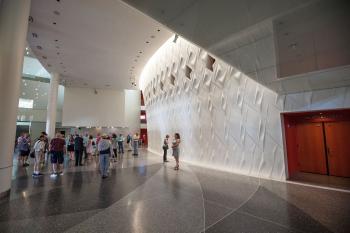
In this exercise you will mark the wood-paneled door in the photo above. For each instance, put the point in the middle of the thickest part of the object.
(338, 147)
(311, 148)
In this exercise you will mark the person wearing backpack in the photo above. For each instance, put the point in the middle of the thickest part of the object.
(39, 150)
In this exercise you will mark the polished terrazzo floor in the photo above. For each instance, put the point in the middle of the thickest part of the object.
(144, 195)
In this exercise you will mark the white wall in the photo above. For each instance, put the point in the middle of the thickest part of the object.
(82, 107)
(132, 110)
(227, 120)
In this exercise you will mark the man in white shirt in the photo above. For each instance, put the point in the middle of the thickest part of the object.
(39, 150)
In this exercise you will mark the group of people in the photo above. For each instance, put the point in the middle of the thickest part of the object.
(108, 146)
(175, 147)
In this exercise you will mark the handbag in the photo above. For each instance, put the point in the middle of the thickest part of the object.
(32, 154)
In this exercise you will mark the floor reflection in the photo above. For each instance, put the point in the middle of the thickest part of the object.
(144, 195)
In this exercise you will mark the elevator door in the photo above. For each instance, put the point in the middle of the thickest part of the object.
(338, 148)
(311, 149)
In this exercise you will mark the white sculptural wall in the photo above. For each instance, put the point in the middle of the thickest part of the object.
(226, 120)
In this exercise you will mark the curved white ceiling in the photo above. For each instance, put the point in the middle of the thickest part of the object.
(96, 44)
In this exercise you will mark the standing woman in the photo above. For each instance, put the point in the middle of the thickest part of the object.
(165, 148)
(71, 147)
(89, 147)
(176, 149)
(135, 142)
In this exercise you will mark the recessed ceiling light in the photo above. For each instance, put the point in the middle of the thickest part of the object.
(54, 23)
(158, 30)
(147, 42)
(56, 40)
(140, 52)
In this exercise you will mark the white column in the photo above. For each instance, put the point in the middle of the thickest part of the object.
(52, 105)
(13, 32)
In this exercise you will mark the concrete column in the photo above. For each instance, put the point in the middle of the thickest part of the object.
(13, 32)
(52, 105)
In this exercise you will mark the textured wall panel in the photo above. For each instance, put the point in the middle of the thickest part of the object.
(226, 119)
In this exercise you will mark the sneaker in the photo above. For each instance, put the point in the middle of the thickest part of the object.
(60, 173)
(104, 177)
(34, 175)
(53, 175)
(40, 174)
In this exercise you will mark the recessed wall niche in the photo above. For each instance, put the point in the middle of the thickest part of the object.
(210, 62)
(172, 80)
(188, 72)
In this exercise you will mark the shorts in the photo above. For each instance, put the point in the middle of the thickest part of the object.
(24, 152)
(38, 156)
(57, 156)
(70, 148)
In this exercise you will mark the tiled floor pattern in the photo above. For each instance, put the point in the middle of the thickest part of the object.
(144, 195)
